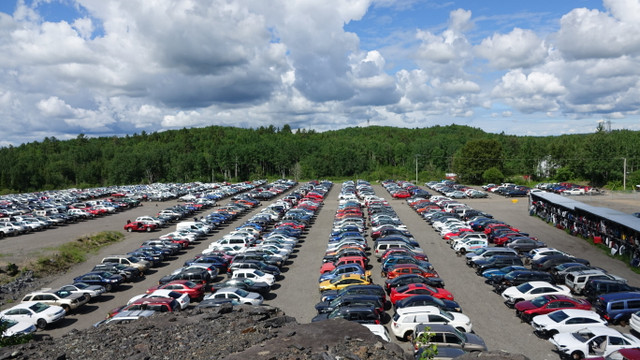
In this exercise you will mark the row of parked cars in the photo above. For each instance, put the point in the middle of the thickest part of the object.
(44, 307)
(565, 299)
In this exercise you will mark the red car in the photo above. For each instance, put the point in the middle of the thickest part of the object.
(139, 226)
(545, 304)
(401, 194)
(328, 266)
(405, 291)
(448, 236)
(192, 289)
(405, 269)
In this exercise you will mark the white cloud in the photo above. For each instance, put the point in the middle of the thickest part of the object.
(531, 92)
(519, 48)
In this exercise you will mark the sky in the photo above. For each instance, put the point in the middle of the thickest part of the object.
(118, 67)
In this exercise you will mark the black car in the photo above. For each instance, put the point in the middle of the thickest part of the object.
(350, 300)
(496, 262)
(412, 279)
(215, 261)
(355, 289)
(546, 263)
(359, 314)
(596, 287)
(129, 273)
(428, 300)
(104, 278)
(518, 277)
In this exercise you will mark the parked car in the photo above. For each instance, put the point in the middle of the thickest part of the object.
(140, 226)
(448, 336)
(564, 321)
(545, 304)
(359, 314)
(428, 300)
(531, 290)
(617, 307)
(37, 313)
(596, 287)
(246, 284)
(409, 290)
(102, 278)
(351, 300)
(16, 328)
(404, 321)
(65, 299)
(593, 341)
(182, 298)
(239, 295)
(93, 291)
(343, 281)
(195, 290)
(254, 274)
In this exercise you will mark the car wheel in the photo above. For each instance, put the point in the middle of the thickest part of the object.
(66, 308)
(148, 229)
(108, 287)
(623, 322)
(129, 230)
(408, 336)
(577, 355)
(463, 251)
(41, 323)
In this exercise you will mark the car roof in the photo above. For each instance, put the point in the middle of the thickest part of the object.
(620, 295)
(418, 309)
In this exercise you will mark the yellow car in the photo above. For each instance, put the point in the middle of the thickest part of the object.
(343, 281)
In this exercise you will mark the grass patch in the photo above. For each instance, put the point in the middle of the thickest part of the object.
(74, 252)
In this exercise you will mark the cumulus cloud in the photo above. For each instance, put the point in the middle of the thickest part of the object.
(531, 92)
(519, 48)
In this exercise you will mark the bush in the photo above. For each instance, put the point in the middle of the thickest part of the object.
(492, 176)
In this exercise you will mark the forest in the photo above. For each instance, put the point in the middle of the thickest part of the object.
(218, 153)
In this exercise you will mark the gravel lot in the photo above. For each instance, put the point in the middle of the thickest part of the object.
(297, 293)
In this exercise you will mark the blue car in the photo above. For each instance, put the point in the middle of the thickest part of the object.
(491, 274)
(108, 280)
(342, 269)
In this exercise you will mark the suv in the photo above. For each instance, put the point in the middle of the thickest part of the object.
(65, 299)
(350, 300)
(405, 320)
(359, 314)
(448, 336)
(618, 307)
(576, 280)
(197, 275)
(596, 287)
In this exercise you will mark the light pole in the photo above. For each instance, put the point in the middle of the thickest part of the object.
(416, 155)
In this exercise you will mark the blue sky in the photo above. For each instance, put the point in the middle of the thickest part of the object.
(104, 68)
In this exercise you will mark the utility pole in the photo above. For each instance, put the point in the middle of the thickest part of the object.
(624, 174)
(236, 167)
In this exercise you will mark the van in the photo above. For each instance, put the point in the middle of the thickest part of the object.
(576, 280)
(618, 307)
(381, 246)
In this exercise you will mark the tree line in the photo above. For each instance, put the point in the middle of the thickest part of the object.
(219, 153)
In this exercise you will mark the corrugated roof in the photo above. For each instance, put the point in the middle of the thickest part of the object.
(612, 215)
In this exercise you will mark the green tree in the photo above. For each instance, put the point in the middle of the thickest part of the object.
(493, 175)
(475, 157)
(424, 342)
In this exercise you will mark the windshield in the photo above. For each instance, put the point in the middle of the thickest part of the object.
(81, 285)
(259, 273)
(39, 307)
(133, 259)
(558, 316)
(523, 288)
(242, 293)
(539, 301)
(8, 323)
(63, 293)
(446, 314)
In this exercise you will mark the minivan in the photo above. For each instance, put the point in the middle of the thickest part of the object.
(381, 246)
(618, 307)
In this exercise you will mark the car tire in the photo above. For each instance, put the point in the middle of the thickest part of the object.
(577, 355)
(66, 308)
(408, 336)
(148, 229)
(41, 323)
(108, 287)
(129, 230)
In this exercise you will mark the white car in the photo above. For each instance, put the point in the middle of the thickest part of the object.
(12, 327)
(567, 320)
(94, 291)
(379, 330)
(255, 275)
(182, 299)
(531, 290)
(36, 313)
(634, 321)
(240, 295)
(593, 341)
(405, 320)
(469, 245)
(538, 253)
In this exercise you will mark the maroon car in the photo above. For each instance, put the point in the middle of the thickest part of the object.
(545, 304)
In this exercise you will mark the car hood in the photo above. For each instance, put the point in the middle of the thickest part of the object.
(475, 340)
(525, 305)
